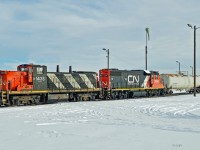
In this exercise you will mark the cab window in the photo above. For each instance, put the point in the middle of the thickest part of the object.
(39, 70)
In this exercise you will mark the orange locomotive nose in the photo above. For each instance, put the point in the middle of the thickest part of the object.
(156, 81)
(14, 81)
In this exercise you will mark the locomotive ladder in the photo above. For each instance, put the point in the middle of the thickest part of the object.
(4, 97)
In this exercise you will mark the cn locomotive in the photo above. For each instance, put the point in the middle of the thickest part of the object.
(33, 84)
(130, 83)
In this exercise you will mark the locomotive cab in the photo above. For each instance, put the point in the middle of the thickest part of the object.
(24, 86)
(27, 77)
(36, 75)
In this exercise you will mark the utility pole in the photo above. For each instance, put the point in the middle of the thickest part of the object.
(108, 56)
(195, 28)
(179, 67)
(192, 70)
(147, 37)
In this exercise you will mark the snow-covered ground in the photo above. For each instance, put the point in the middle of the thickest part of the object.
(168, 123)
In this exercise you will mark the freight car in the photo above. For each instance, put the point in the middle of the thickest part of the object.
(130, 83)
(180, 82)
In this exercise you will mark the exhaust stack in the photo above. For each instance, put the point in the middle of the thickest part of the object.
(57, 68)
(70, 69)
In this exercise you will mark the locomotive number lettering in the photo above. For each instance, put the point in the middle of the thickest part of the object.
(40, 79)
(132, 79)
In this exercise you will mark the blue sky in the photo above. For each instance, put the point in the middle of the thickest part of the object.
(73, 32)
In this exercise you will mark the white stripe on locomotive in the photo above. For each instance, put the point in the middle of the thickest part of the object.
(72, 81)
(56, 81)
(86, 80)
(145, 82)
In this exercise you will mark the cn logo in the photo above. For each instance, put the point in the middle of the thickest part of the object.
(132, 79)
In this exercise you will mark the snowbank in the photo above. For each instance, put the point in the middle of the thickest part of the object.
(168, 123)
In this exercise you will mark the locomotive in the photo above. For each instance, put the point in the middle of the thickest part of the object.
(129, 83)
(33, 84)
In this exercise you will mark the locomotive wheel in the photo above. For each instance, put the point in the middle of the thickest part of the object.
(162, 92)
(75, 99)
(120, 96)
(125, 96)
(131, 94)
(36, 101)
(14, 102)
(155, 93)
(147, 93)
(91, 98)
(94, 97)
(78, 98)
(19, 102)
(113, 96)
(29, 102)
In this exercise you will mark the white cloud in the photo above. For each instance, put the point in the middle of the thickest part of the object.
(74, 32)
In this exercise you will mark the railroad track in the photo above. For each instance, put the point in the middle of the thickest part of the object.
(55, 101)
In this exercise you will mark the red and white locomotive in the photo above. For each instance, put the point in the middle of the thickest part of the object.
(130, 83)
